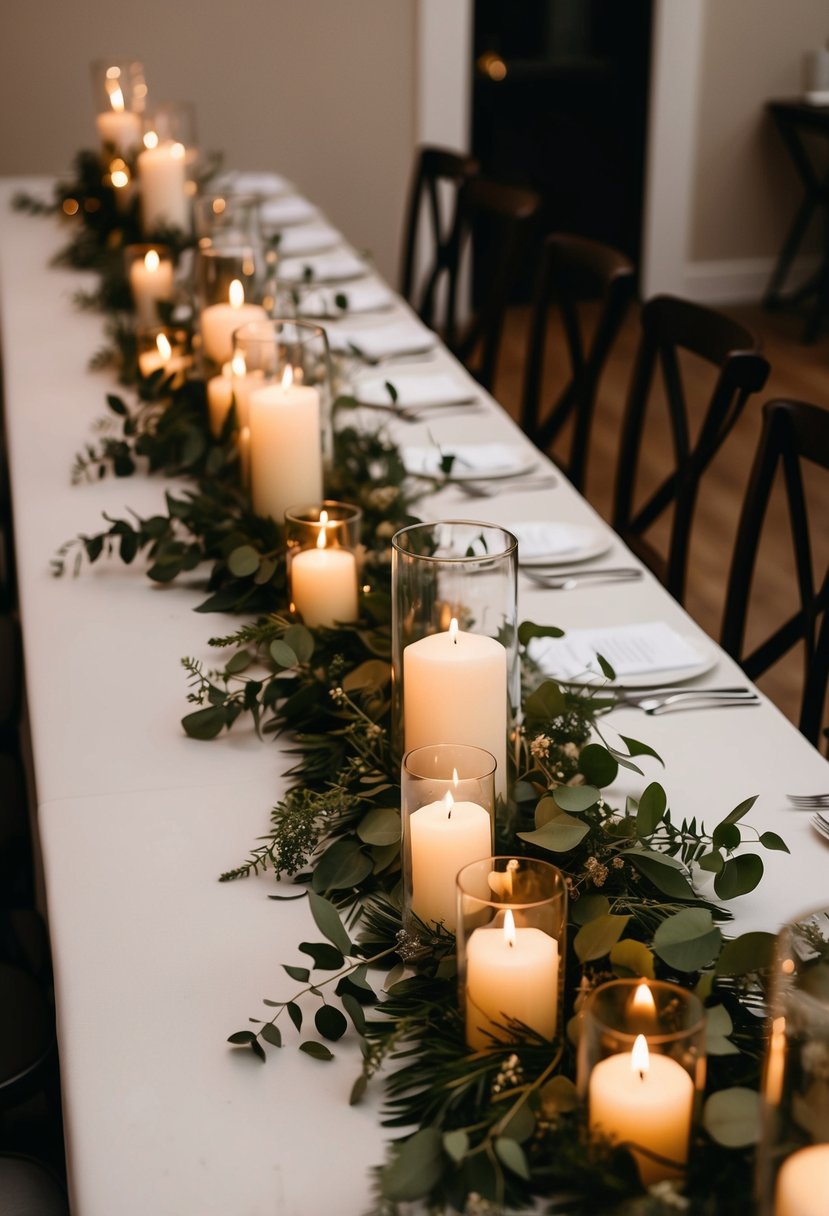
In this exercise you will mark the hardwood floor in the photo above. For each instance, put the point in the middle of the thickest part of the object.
(797, 371)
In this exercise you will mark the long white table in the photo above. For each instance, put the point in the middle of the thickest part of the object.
(155, 961)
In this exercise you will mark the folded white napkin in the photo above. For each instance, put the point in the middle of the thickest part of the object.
(471, 459)
(361, 296)
(275, 213)
(413, 389)
(308, 238)
(382, 341)
(322, 268)
(253, 183)
(631, 650)
(540, 538)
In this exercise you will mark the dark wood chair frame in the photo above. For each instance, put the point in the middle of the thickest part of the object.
(573, 272)
(669, 325)
(793, 432)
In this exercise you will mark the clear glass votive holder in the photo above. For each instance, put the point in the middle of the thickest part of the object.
(324, 558)
(511, 942)
(174, 122)
(455, 667)
(119, 94)
(282, 388)
(792, 1162)
(227, 291)
(151, 276)
(447, 821)
(641, 1071)
(163, 349)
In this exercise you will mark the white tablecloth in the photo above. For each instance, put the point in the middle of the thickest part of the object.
(156, 962)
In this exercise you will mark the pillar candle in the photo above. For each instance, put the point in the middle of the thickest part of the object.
(163, 357)
(511, 972)
(324, 583)
(646, 1099)
(219, 399)
(285, 447)
(218, 322)
(151, 281)
(803, 1183)
(455, 691)
(444, 837)
(118, 128)
(162, 179)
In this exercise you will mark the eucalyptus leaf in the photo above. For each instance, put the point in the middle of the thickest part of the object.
(688, 940)
(204, 723)
(327, 919)
(511, 1154)
(770, 840)
(238, 662)
(576, 798)
(417, 1166)
(559, 1096)
(358, 1090)
(282, 654)
(300, 974)
(520, 1125)
(588, 908)
(371, 676)
(598, 937)
(381, 826)
(732, 1117)
(456, 1145)
(659, 870)
(301, 641)
(342, 866)
(272, 1034)
(559, 835)
(528, 630)
(653, 803)
(598, 765)
(739, 875)
(318, 1051)
(631, 958)
(726, 836)
(295, 1014)
(330, 1022)
(355, 1011)
(326, 957)
(718, 1026)
(746, 953)
(243, 561)
(740, 810)
(637, 748)
(545, 703)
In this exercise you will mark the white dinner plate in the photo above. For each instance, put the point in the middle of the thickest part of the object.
(414, 390)
(541, 543)
(473, 462)
(654, 676)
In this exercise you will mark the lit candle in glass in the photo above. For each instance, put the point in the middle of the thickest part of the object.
(162, 179)
(218, 322)
(118, 128)
(151, 282)
(285, 446)
(445, 836)
(324, 581)
(511, 973)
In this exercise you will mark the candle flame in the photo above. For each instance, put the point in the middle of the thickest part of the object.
(453, 630)
(448, 803)
(177, 151)
(119, 174)
(237, 365)
(509, 928)
(455, 778)
(152, 261)
(639, 1057)
(164, 347)
(236, 294)
(150, 139)
(287, 378)
(218, 205)
(642, 1001)
(116, 99)
(321, 539)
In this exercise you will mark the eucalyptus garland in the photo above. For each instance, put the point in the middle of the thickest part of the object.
(502, 1125)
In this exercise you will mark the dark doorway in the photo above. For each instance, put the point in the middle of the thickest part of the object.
(560, 105)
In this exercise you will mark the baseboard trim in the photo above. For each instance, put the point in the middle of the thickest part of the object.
(739, 280)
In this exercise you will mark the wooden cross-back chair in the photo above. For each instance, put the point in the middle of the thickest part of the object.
(795, 435)
(669, 326)
(438, 176)
(574, 272)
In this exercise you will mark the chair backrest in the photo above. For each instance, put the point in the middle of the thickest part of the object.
(574, 272)
(795, 435)
(436, 181)
(501, 220)
(670, 326)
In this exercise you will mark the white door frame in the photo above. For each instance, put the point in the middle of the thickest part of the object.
(443, 82)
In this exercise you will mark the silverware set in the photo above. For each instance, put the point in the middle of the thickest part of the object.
(821, 822)
(809, 802)
(484, 488)
(568, 580)
(655, 701)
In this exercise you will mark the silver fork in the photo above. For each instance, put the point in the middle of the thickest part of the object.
(821, 823)
(565, 580)
(808, 802)
(656, 701)
(488, 489)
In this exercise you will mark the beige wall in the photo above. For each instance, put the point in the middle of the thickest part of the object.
(321, 90)
(744, 187)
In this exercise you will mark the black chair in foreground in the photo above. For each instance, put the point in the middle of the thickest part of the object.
(795, 437)
(671, 326)
(576, 274)
(438, 177)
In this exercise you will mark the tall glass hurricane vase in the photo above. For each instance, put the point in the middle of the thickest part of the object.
(455, 664)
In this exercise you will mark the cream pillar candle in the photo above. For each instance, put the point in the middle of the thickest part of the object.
(646, 1099)
(455, 691)
(118, 128)
(219, 399)
(162, 180)
(151, 281)
(218, 322)
(285, 447)
(445, 836)
(324, 582)
(163, 358)
(510, 973)
(802, 1187)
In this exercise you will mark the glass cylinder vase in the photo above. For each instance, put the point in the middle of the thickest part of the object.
(323, 551)
(793, 1155)
(119, 94)
(163, 351)
(641, 1071)
(282, 390)
(151, 276)
(455, 664)
(511, 939)
(227, 282)
(448, 820)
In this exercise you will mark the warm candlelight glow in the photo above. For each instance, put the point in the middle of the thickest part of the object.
(642, 1001)
(119, 174)
(218, 205)
(152, 261)
(164, 347)
(287, 378)
(236, 294)
(151, 139)
(238, 367)
(509, 928)
(177, 151)
(448, 803)
(639, 1058)
(453, 630)
(116, 99)
(321, 538)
